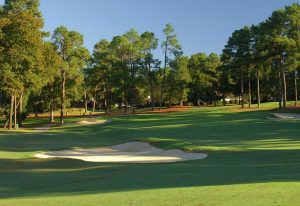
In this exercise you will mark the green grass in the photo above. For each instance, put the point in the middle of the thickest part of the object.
(252, 160)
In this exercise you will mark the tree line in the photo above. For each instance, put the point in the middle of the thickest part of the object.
(267, 55)
(44, 72)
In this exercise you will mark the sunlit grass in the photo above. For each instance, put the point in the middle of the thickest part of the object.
(252, 160)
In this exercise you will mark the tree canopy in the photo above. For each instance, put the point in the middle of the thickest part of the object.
(43, 71)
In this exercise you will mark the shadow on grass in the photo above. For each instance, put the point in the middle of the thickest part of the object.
(243, 147)
(207, 129)
(34, 177)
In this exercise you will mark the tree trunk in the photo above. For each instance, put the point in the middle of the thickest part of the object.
(110, 100)
(21, 110)
(258, 90)
(296, 88)
(85, 103)
(12, 99)
(152, 99)
(125, 103)
(151, 85)
(160, 100)
(279, 91)
(105, 106)
(51, 113)
(15, 112)
(105, 98)
(133, 88)
(62, 103)
(198, 100)
(125, 93)
(249, 89)
(284, 90)
(52, 105)
(242, 91)
(164, 78)
(134, 104)
(94, 101)
(94, 105)
(133, 100)
(224, 99)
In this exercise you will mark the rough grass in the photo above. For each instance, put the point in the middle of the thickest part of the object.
(252, 160)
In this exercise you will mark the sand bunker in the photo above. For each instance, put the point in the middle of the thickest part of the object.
(45, 128)
(132, 152)
(286, 116)
(93, 121)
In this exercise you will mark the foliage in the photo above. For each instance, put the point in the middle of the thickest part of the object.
(123, 72)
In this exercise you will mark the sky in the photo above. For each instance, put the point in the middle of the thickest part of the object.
(201, 25)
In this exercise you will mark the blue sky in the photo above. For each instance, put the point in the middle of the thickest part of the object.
(201, 25)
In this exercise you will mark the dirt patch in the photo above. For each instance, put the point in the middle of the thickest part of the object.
(132, 152)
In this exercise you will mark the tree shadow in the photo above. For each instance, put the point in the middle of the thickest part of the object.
(205, 128)
(34, 177)
(267, 151)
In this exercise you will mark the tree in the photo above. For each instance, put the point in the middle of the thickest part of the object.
(50, 92)
(203, 76)
(150, 43)
(280, 47)
(121, 51)
(101, 74)
(293, 22)
(238, 56)
(213, 64)
(135, 55)
(21, 43)
(69, 46)
(179, 80)
(225, 81)
(260, 60)
(170, 46)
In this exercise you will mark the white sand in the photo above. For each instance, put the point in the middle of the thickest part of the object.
(45, 128)
(94, 121)
(286, 116)
(132, 152)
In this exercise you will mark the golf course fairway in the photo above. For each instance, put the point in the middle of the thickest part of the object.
(252, 160)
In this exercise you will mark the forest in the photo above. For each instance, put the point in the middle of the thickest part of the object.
(43, 71)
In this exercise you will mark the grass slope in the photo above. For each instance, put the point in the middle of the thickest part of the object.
(252, 161)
